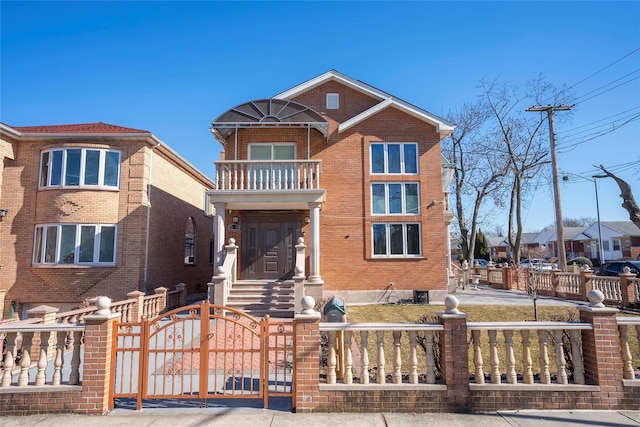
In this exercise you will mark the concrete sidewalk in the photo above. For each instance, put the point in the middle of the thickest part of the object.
(486, 295)
(241, 417)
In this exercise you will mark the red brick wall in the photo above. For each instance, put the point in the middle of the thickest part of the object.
(346, 260)
(126, 207)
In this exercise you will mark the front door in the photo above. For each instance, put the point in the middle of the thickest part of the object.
(268, 247)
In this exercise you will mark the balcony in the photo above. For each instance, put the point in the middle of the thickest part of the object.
(263, 184)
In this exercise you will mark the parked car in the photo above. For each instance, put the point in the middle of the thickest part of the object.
(480, 262)
(614, 268)
(538, 264)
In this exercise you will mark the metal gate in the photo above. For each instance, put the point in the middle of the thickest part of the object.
(203, 351)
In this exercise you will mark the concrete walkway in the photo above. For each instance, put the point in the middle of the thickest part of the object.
(486, 295)
(248, 417)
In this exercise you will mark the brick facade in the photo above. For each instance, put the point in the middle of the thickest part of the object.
(346, 253)
(148, 171)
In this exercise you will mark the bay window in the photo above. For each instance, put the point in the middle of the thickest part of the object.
(74, 167)
(75, 244)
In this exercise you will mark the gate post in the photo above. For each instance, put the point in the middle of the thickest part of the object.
(97, 375)
(307, 367)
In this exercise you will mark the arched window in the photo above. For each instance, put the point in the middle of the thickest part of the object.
(190, 242)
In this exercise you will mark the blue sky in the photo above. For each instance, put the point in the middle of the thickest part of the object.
(173, 67)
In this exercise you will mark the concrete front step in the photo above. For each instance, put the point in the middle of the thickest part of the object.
(259, 298)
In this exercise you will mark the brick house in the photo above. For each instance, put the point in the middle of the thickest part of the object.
(96, 209)
(355, 171)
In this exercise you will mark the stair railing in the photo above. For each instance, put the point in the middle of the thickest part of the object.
(220, 288)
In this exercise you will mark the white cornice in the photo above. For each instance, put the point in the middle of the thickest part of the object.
(443, 127)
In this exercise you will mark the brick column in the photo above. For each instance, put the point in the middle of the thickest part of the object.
(307, 344)
(3, 294)
(96, 369)
(585, 283)
(182, 288)
(628, 288)
(453, 355)
(162, 303)
(137, 309)
(601, 352)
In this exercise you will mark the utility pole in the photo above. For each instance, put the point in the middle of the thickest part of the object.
(562, 255)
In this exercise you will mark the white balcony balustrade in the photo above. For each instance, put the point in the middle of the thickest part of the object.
(268, 175)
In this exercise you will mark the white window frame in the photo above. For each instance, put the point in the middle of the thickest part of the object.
(40, 245)
(403, 196)
(616, 244)
(388, 240)
(272, 145)
(333, 101)
(386, 158)
(48, 168)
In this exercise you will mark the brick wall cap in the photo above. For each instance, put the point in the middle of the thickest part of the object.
(42, 309)
(445, 315)
(135, 294)
(602, 310)
(308, 317)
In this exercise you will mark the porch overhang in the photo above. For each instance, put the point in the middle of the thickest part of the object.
(266, 199)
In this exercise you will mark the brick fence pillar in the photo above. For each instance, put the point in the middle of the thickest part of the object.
(96, 369)
(454, 355)
(162, 302)
(628, 288)
(307, 339)
(182, 288)
(138, 306)
(585, 283)
(603, 364)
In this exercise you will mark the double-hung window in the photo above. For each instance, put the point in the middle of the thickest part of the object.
(390, 198)
(394, 158)
(75, 244)
(75, 167)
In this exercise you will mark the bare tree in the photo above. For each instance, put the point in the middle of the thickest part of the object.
(629, 202)
(520, 140)
(477, 172)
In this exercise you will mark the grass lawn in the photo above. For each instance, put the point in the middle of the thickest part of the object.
(476, 313)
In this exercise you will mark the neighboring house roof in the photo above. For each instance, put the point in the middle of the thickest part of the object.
(570, 233)
(80, 128)
(528, 238)
(386, 100)
(102, 129)
(267, 112)
(625, 228)
(494, 241)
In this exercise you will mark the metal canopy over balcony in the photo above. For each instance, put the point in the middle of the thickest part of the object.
(265, 113)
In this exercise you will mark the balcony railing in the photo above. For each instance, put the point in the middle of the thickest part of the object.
(268, 175)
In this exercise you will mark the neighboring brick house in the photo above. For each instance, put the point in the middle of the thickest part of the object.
(96, 209)
(354, 170)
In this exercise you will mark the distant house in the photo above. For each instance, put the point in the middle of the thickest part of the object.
(572, 247)
(620, 239)
(497, 247)
(96, 209)
(354, 171)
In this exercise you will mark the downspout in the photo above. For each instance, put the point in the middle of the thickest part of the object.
(308, 142)
(146, 242)
(235, 144)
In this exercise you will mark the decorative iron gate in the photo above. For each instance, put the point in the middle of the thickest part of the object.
(203, 351)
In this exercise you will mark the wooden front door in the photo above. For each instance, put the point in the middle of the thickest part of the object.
(267, 250)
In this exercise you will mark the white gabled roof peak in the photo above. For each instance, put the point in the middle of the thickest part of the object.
(386, 100)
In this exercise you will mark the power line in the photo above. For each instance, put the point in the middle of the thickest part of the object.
(610, 89)
(604, 68)
(597, 121)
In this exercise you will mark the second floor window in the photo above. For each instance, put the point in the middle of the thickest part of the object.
(75, 244)
(391, 198)
(190, 242)
(394, 158)
(76, 167)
